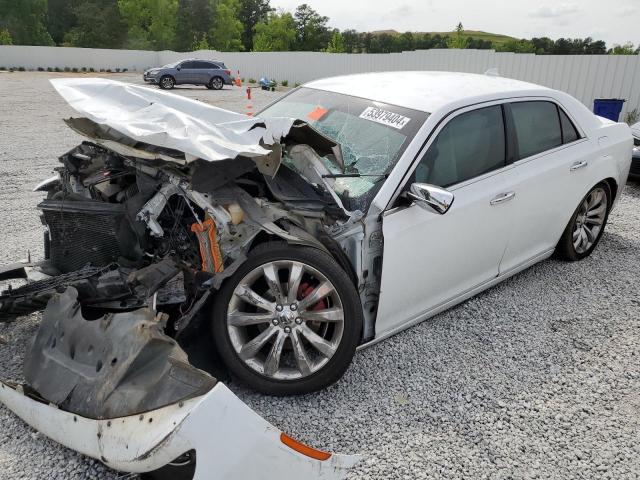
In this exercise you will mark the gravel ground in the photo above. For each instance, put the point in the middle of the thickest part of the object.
(538, 377)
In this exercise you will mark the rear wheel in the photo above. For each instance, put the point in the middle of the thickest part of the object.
(216, 83)
(587, 224)
(167, 82)
(288, 321)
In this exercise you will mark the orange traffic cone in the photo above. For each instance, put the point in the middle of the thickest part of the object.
(249, 103)
(238, 80)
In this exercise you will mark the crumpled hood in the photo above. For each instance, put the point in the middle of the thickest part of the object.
(171, 121)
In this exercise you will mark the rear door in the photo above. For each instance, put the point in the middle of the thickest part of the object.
(431, 259)
(205, 71)
(551, 176)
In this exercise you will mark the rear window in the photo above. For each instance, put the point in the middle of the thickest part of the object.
(537, 126)
(569, 132)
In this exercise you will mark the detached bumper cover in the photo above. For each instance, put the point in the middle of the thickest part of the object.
(231, 441)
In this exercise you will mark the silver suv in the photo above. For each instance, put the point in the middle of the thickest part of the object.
(211, 74)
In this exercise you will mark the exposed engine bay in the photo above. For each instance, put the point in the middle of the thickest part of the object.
(127, 232)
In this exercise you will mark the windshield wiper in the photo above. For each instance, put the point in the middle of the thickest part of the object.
(354, 175)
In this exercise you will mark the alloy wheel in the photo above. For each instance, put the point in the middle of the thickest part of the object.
(167, 82)
(285, 320)
(216, 83)
(589, 220)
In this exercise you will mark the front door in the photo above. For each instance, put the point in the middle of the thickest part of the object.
(431, 259)
(188, 73)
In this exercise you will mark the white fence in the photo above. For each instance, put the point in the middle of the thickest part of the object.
(586, 77)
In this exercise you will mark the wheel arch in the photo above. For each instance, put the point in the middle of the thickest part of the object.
(613, 186)
(330, 246)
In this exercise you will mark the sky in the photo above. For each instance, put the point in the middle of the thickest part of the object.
(615, 21)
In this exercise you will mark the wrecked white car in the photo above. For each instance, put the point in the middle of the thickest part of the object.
(324, 224)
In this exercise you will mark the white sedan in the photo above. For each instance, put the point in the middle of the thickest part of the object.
(413, 192)
(464, 181)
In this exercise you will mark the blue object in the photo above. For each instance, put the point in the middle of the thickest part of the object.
(608, 108)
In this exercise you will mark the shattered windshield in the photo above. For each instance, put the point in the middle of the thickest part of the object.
(372, 135)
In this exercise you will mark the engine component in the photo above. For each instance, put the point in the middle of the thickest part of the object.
(84, 232)
(209, 248)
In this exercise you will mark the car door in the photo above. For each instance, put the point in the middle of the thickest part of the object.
(550, 177)
(205, 72)
(430, 259)
(188, 73)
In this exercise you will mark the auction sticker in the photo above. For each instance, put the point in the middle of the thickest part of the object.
(385, 117)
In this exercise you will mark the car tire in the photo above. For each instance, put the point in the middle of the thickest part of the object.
(302, 367)
(167, 82)
(586, 226)
(216, 83)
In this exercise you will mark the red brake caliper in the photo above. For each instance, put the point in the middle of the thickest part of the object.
(304, 290)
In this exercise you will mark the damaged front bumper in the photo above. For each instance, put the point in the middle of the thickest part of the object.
(229, 439)
(117, 389)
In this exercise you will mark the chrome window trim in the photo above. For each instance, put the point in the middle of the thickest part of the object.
(431, 136)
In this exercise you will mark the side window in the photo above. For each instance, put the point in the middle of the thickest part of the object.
(471, 144)
(537, 126)
(204, 65)
(569, 132)
(187, 65)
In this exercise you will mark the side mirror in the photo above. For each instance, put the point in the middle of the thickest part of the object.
(430, 197)
(178, 67)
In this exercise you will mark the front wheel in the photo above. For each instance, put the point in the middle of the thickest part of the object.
(288, 321)
(167, 82)
(587, 224)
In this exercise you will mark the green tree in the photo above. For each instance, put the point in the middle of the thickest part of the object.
(277, 34)
(109, 32)
(193, 23)
(336, 44)
(151, 23)
(517, 46)
(405, 42)
(25, 21)
(5, 37)
(352, 41)
(626, 49)
(312, 33)
(252, 12)
(458, 40)
(226, 34)
(60, 18)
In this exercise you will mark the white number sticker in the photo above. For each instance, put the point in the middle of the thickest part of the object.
(385, 117)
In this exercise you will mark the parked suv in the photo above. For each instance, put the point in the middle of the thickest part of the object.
(211, 74)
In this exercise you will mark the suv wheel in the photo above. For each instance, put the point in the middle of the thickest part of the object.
(167, 82)
(288, 321)
(216, 83)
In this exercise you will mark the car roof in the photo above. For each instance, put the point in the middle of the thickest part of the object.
(427, 91)
(217, 62)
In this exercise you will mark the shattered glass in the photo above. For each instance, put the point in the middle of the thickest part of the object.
(370, 149)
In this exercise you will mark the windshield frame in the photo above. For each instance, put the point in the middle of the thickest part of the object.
(354, 106)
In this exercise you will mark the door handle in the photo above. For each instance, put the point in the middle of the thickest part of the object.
(578, 166)
(503, 197)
